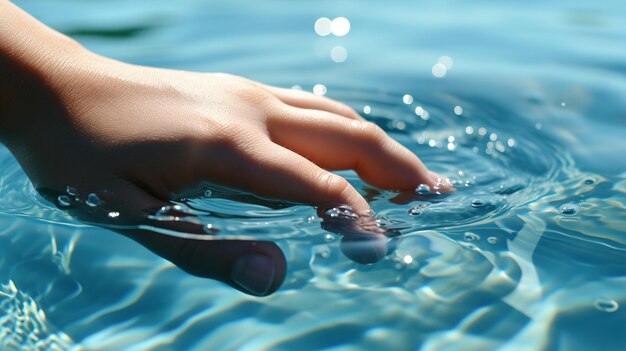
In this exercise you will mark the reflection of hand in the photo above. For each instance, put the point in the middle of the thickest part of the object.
(134, 135)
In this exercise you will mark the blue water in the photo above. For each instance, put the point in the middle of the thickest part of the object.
(528, 254)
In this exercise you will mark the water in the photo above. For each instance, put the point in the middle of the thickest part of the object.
(519, 104)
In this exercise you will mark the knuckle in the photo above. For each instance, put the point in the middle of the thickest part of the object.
(333, 185)
(367, 132)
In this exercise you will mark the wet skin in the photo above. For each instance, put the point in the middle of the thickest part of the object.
(135, 135)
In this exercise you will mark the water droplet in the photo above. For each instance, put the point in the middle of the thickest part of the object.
(208, 193)
(569, 209)
(407, 259)
(338, 54)
(209, 229)
(319, 89)
(340, 26)
(114, 214)
(439, 70)
(322, 26)
(63, 200)
(418, 209)
(423, 189)
(93, 200)
(478, 202)
(446, 61)
(589, 181)
(407, 99)
(367, 109)
(469, 236)
(511, 142)
(70, 190)
(492, 240)
(458, 110)
(163, 211)
(342, 212)
(606, 305)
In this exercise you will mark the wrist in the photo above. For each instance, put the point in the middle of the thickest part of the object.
(35, 62)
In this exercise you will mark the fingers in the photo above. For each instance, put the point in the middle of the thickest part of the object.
(273, 171)
(306, 100)
(339, 143)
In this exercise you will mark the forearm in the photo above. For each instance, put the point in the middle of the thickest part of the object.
(33, 60)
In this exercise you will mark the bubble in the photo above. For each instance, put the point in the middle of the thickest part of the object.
(423, 189)
(458, 110)
(563, 104)
(446, 61)
(322, 26)
(64, 200)
(113, 214)
(319, 89)
(407, 259)
(478, 202)
(71, 191)
(407, 99)
(589, 181)
(339, 54)
(492, 240)
(329, 237)
(342, 212)
(469, 236)
(296, 87)
(568, 209)
(432, 143)
(469, 130)
(93, 200)
(451, 139)
(208, 228)
(418, 209)
(340, 26)
(511, 142)
(606, 305)
(367, 109)
(451, 147)
(538, 125)
(439, 70)
(493, 136)
(482, 131)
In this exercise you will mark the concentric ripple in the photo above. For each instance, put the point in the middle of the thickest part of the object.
(493, 165)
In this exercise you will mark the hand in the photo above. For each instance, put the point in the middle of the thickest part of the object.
(135, 135)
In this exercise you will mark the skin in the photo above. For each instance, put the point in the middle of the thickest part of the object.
(134, 135)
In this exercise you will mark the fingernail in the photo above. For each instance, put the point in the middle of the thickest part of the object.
(254, 273)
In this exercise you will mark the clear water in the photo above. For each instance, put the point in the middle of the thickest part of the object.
(529, 253)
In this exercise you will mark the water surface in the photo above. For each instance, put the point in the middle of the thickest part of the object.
(528, 122)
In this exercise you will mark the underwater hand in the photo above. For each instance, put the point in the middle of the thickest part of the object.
(127, 137)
